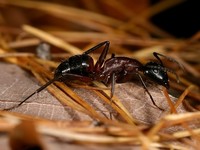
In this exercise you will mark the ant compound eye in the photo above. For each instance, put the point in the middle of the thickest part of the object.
(155, 71)
(146, 71)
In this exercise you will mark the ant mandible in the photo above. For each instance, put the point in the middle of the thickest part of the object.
(113, 70)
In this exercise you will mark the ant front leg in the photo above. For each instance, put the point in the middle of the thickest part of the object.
(145, 87)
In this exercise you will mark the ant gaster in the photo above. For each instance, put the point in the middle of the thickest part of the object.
(110, 71)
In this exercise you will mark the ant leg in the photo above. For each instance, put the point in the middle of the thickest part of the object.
(102, 57)
(97, 47)
(145, 87)
(70, 76)
(37, 91)
(112, 85)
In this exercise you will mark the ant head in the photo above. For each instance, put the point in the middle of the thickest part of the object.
(157, 73)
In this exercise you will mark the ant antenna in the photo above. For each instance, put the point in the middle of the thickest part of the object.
(157, 57)
(168, 58)
(37, 91)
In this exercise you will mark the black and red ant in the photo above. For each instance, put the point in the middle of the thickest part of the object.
(110, 71)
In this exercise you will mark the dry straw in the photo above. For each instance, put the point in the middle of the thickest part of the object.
(84, 28)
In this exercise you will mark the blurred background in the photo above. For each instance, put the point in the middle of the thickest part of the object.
(178, 18)
(181, 20)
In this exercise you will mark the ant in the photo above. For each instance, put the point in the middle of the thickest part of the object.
(113, 70)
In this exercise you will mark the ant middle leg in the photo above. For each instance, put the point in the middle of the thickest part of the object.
(113, 81)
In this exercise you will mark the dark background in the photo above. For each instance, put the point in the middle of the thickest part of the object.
(182, 20)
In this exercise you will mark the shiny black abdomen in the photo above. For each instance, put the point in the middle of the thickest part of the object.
(79, 64)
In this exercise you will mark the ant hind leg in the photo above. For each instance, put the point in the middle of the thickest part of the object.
(106, 43)
(35, 92)
(103, 55)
